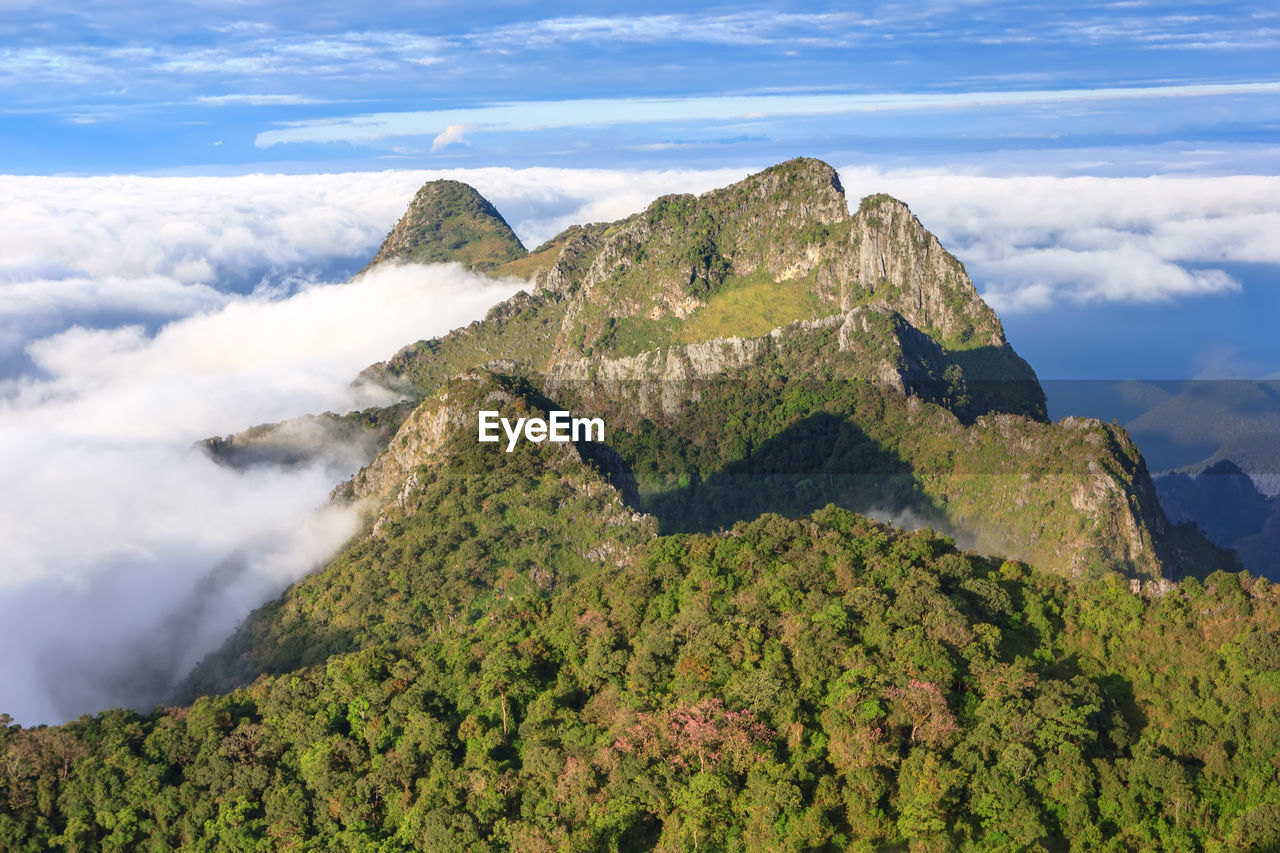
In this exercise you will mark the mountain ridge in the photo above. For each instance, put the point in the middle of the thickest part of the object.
(591, 333)
(625, 302)
(855, 406)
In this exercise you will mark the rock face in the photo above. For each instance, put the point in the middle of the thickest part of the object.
(450, 221)
(788, 223)
(904, 266)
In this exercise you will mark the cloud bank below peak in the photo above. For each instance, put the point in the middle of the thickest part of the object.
(113, 523)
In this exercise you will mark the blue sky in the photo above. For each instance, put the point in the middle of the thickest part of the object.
(96, 87)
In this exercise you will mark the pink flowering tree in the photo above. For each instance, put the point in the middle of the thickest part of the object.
(924, 707)
(703, 749)
(697, 738)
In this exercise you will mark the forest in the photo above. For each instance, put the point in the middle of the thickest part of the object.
(818, 683)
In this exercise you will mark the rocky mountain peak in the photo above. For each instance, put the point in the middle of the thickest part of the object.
(780, 246)
(450, 221)
(802, 186)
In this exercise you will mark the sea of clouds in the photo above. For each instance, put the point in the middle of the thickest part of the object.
(140, 315)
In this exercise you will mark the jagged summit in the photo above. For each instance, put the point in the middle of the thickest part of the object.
(450, 221)
(778, 248)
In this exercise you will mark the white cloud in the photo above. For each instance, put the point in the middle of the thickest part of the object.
(148, 249)
(452, 135)
(750, 28)
(250, 55)
(257, 100)
(590, 112)
(110, 521)
(154, 295)
(193, 229)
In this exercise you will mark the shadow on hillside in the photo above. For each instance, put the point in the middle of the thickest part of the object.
(997, 381)
(821, 459)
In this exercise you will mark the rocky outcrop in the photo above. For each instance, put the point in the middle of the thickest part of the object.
(893, 260)
(422, 438)
(1080, 483)
(579, 247)
(446, 422)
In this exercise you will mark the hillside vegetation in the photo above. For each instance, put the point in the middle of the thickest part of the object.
(817, 683)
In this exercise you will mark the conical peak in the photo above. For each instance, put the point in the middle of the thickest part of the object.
(450, 221)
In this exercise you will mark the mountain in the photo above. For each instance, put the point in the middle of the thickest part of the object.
(721, 334)
(687, 633)
(848, 403)
(1194, 424)
(779, 247)
(450, 221)
(1224, 502)
(454, 527)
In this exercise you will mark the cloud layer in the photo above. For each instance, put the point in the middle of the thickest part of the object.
(111, 522)
(167, 246)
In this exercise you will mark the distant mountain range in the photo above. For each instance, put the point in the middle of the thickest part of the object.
(1226, 504)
